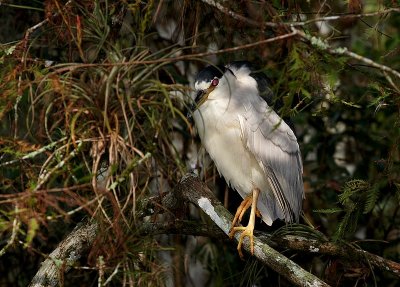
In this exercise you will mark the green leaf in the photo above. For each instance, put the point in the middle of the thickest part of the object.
(32, 228)
(352, 190)
(372, 198)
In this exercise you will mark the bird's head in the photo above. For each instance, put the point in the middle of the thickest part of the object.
(220, 81)
(212, 81)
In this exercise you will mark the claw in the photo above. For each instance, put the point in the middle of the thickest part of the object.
(246, 231)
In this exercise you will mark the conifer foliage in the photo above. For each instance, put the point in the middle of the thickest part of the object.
(94, 132)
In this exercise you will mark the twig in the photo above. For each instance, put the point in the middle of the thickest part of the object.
(342, 16)
(15, 230)
(344, 51)
(45, 174)
(323, 45)
(251, 22)
(315, 40)
(33, 153)
(390, 80)
(238, 17)
(72, 66)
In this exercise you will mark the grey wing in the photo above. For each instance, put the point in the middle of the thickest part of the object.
(275, 147)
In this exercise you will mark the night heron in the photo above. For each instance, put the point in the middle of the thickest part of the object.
(252, 147)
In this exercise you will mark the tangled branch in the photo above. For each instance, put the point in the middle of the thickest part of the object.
(316, 41)
(192, 190)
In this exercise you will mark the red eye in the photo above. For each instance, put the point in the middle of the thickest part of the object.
(215, 82)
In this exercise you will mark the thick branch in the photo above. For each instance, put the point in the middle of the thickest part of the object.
(344, 251)
(284, 242)
(68, 252)
(195, 191)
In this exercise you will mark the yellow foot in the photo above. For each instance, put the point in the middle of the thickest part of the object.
(246, 231)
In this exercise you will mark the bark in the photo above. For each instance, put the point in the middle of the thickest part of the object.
(69, 251)
(191, 189)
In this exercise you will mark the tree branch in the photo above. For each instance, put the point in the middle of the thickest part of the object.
(283, 242)
(315, 41)
(191, 189)
(69, 251)
(343, 51)
(344, 251)
(72, 66)
(195, 191)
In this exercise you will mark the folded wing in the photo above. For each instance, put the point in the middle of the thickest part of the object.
(275, 148)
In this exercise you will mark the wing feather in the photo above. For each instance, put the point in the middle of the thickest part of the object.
(275, 148)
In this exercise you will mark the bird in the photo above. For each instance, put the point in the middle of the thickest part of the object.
(253, 148)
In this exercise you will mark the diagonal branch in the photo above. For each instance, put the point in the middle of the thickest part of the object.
(343, 51)
(195, 191)
(315, 41)
(61, 68)
(250, 22)
(344, 251)
(192, 189)
(67, 253)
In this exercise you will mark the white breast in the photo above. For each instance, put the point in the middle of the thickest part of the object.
(219, 130)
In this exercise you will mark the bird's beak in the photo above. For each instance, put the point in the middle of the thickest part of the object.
(201, 97)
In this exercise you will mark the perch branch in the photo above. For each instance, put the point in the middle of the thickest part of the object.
(195, 191)
(284, 242)
(344, 251)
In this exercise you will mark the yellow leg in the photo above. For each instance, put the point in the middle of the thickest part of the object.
(246, 203)
(247, 230)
